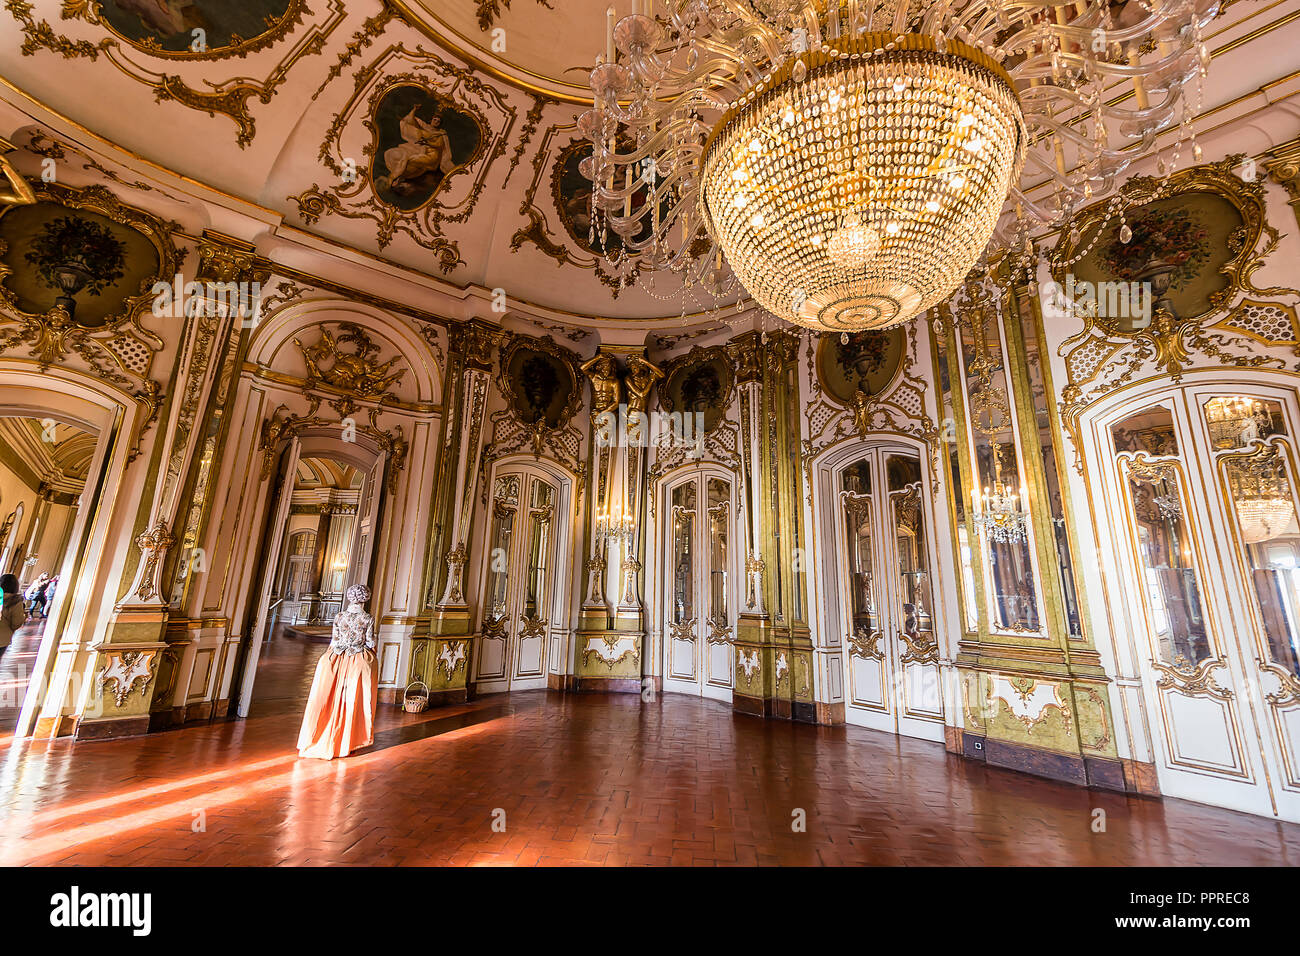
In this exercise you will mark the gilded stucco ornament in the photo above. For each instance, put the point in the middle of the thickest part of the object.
(153, 545)
(1028, 700)
(539, 380)
(344, 359)
(428, 132)
(1193, 680)
(451, 658)
(139, 55)
(1227, 331)
(703, 380)
(611, 650)
(117, 348)
(566, 241)
(899, 407)
(488, 11)
(123, 672)
(14, 189)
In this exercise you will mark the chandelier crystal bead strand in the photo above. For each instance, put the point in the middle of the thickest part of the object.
(852, 161)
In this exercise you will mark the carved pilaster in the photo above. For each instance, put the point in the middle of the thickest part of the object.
(473, 401)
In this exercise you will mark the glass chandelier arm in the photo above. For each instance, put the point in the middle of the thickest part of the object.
(752, 27)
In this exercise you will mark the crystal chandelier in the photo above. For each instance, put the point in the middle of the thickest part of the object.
(1235, 421)
(1264, 518)
(854, 159)
(1261, 491)
(1000, 513)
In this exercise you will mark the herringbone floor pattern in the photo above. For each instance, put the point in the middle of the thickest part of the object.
(575, 779)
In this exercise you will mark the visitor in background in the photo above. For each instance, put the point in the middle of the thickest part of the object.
(12, 615)
(49, 596)
(36, 595)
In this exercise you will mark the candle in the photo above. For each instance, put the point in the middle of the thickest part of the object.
(627, 186)
(609, 35)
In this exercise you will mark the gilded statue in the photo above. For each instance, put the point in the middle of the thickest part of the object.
(605, 389)
(641, 376)
(14, 189)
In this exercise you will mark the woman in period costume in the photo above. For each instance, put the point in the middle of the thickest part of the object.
(340, 715)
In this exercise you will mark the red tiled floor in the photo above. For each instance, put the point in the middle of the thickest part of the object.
(586, 780)
(15, 671)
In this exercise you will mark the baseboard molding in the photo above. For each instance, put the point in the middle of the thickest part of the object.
(1096, 773)
(112, 728)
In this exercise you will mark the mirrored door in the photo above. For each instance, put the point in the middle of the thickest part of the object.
(1209, 554)
(884, 549)
(699, 617)
(519, 591)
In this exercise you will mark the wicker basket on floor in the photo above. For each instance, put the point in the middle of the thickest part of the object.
(415, 703)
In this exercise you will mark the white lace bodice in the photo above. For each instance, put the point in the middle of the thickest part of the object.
(354, 631)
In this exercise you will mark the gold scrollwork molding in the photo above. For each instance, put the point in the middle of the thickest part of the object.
(1288, 691)
(343, 359)
(719, 631)
(557, 243)
(899, 409)
(1191, 680)
(355, 195)
(154, 545)
(919, 648)
(451, 658)
(682, 630)
(511, 432)
(1028, 700)
(205, 92)
(606, 649)
(750, 665)
(1104, 356)
(14, 189)
(866, 644)
(124, 672)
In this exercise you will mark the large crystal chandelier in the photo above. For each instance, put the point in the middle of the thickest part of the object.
(854, 159)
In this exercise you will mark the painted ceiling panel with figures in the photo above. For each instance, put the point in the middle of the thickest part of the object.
(433, 136)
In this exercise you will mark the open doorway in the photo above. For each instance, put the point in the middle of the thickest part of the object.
(44, 465)
(318, 541)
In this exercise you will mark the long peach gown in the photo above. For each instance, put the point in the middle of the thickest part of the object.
(340, 716)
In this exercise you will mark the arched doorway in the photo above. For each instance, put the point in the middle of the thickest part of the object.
(1195, 495)
(44, 466)
(337, 488)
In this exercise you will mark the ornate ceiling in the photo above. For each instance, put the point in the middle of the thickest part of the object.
(545, 45)
(432, 139)
(372, 127)
(57, 455)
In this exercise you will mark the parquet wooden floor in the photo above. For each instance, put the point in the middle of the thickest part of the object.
(577, 779)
